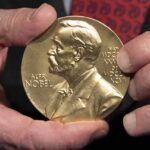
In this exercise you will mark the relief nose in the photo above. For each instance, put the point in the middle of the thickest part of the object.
(53, 60)
(52, 51)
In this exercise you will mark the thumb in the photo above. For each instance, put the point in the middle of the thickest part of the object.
(19, 26)
(137, 122)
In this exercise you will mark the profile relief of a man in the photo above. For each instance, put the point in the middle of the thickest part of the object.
(84, 95)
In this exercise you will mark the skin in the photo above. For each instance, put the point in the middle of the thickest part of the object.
(135, 58)
(18, 28)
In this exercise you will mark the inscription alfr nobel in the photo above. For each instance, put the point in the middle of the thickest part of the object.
(38, 80)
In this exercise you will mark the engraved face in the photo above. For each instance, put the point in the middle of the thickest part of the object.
(62, 54)
(75, 40)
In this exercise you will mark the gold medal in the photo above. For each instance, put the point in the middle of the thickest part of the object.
(70, 72)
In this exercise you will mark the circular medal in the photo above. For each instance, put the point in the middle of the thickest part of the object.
(70, 72)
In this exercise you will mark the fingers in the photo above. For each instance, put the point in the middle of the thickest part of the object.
(19, 26)
(135, 54)
(59, 136)
(138, 122)
(21, 132)
(140, 84)
(135, 58)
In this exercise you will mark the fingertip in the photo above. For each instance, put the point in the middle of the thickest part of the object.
(137, 123)
(124, 61)
(96, 128)
(135, 54)
(85, 132)
(129, 123)
(45, 11)
(102, 129)
(40, 20)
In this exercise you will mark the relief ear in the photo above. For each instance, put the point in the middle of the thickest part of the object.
(79, 53)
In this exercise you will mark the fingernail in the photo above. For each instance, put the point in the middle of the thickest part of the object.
(36, 11)
(46, 10)
(132, 90)
(101, 133)
(123, 61)
(129, 122)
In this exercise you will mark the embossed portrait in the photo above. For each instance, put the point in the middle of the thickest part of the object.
(84, 94)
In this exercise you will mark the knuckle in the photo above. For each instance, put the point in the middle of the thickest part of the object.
(9, 24)
(14, 24)
(14, 18)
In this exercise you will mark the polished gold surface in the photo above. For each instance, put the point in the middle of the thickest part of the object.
(70, 72)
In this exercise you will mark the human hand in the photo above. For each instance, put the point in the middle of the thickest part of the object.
(19, 27)
(135, 58)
